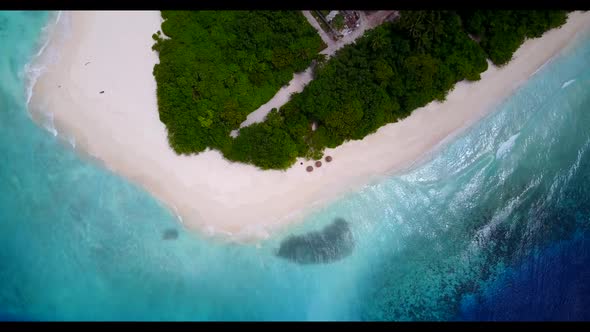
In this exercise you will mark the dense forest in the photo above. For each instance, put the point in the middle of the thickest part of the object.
(218, 66)
(390, 71)
(503, 31)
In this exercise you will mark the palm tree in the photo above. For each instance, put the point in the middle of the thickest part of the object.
(423, 26)
(378, 41)
(435, 23)
(412, 21)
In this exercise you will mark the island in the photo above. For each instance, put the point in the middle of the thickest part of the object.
(376, 101)
(217, 67)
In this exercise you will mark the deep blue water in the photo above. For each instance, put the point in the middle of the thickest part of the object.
(493, 227)
(550, 284)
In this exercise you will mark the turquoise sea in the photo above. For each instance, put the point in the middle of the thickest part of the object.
(494, 226)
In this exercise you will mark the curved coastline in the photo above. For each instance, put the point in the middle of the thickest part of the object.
(207, 193)
(35, 68)
(47, 54)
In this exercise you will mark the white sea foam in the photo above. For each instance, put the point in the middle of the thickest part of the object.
(566, 84)
(33, 73)
(49, 125)
(542, 66)
(178, 216)
(34, 69)
(72, 141)
(47, 32)
(506, 146)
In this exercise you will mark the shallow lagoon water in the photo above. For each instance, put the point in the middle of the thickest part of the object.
(489, 227)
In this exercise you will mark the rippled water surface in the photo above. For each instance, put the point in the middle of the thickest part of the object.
(494, 226)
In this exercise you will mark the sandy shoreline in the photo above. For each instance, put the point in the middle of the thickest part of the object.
(111, 52)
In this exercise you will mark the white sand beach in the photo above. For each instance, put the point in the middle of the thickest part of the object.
(111, 52)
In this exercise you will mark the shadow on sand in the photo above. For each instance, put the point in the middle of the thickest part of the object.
(331, 244)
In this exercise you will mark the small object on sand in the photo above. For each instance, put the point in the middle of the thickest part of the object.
(86, 63)
(170, 234)
(309, 168)
(101, 92)
(318, 164)
(301, 163)
(59, 86)
(328, 158)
